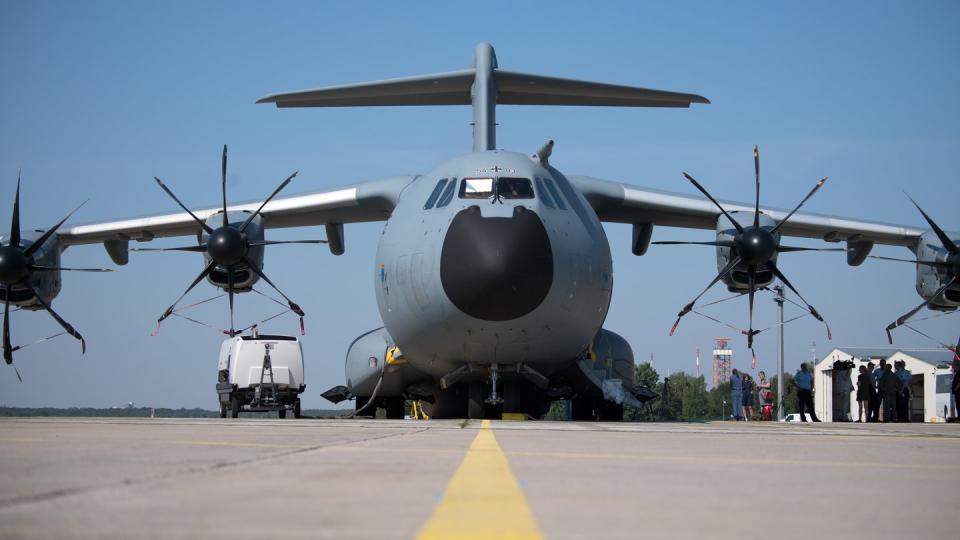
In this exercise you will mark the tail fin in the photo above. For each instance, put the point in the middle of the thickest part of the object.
(484, 86)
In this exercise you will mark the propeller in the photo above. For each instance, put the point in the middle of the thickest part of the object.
(753, 246)
(951, 266)
(17, 267)
(227, 247)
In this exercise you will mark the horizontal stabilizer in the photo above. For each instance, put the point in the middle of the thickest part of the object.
(451, 88)
(515, 88)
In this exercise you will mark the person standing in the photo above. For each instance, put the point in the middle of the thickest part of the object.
(873, 415)
(804, 381)
(736, 391)
(889, 384)
(747, 397)
(766, 396)
(877, 375)
(955, 387)
(864, 386)
(904, 376)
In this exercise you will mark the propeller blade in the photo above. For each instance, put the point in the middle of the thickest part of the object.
(38, 243)
(206, 271)
(947, 242)
(7, 352)
(751, 283)
(906, 316)
(714, 201)
(223, 170)
(678, 243)
(196, 249)
(805, 199)
(756, 168)
(937, 264)
(790, 249)
(275, 242)
(230, 295)
(60, 268)
(66, 326)
(15, 225)
(293, 305)
(689, 307)
(816, 315)
(272, 195)
(187, 210)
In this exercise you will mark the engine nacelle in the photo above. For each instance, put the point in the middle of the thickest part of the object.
(930, 279)
(46, 283)
(736, 280)
(243, 278)
(371, 355)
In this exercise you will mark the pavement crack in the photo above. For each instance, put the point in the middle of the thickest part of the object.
(199, 469)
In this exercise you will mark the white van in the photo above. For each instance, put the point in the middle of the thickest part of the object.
(260, 373)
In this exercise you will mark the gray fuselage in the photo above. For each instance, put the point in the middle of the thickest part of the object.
(489, 279)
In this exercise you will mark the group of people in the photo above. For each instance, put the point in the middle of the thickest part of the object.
(742, 387)
(883, 393)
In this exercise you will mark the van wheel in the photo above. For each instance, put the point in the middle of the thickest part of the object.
(223, 410)
(234, 407)
(296, 410)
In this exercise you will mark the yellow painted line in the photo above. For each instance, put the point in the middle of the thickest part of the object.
(237, 444)
(483, 499)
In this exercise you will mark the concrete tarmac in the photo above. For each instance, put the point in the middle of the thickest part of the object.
(153, 478)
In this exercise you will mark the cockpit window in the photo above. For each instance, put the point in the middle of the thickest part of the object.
(543, 193)
(435, 194)
(555, 193)
(447, 194)
(514, 188)
(476, 188)
(504, 188)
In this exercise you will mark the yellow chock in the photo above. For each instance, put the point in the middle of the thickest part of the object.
(514, 417)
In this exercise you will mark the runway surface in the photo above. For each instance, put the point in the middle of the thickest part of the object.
(125, 479)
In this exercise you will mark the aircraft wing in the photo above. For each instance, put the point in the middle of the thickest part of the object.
(623, 203)
(366, 201)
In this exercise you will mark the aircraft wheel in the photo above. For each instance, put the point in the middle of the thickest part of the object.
(394, 407)
(223, 410)
(361, 403)
(296, 410)
(611, 412)
(475, 404)
(513, 398)
(582, 410)
(282, 413)
(235, 407)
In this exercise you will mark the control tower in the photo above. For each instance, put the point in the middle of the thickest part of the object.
(722, 360)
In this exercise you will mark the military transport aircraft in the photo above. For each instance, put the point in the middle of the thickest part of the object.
(493, 273)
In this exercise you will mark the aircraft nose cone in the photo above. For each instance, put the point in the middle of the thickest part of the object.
(227, 245)
(496, 269)
(14, 265)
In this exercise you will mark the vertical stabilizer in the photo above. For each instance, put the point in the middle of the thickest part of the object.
(483, 97)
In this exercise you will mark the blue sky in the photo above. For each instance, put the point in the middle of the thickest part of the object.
(98, 97)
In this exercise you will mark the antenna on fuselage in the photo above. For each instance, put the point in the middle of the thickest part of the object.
(483, 87)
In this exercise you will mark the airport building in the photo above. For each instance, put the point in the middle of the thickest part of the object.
(930, 385)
